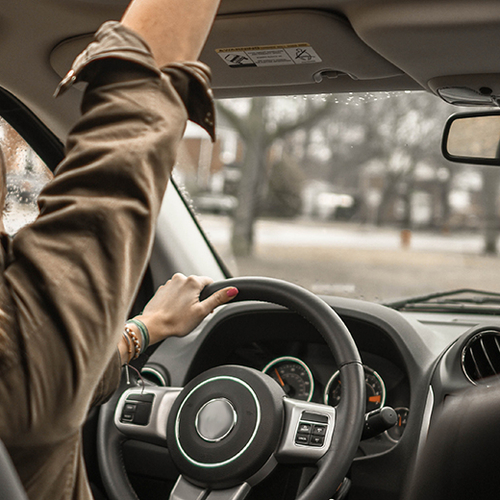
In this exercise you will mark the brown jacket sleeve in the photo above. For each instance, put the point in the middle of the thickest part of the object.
(70, 277)
(109, 381)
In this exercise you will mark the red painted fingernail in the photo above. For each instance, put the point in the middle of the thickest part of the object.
(232, 292)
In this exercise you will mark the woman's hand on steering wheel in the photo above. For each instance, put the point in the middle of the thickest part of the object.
(176, 309)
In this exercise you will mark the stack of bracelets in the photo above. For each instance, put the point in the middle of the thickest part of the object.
(135, 345)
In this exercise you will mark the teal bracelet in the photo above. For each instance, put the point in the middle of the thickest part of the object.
(144, 332)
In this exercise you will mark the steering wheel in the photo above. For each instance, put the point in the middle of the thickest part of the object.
(230, 426)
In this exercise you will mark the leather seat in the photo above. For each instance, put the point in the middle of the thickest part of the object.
(461, 459)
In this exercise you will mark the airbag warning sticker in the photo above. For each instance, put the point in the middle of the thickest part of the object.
(269, 55)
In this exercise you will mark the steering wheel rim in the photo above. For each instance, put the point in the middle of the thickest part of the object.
(333, 466)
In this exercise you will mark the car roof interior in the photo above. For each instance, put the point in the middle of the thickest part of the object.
(358, 45)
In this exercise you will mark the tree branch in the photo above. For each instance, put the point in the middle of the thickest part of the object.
(311, 118)
(234, 120)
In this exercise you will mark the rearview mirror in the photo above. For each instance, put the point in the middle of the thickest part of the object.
(473, 138)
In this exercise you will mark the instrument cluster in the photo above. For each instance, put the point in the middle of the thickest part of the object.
(298, 382)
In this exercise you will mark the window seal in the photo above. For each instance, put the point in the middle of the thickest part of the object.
(45, 144)
(225, 270)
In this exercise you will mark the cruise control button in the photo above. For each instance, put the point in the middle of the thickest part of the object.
(317, 441)
(304, 428)
(319, 430)
(302, 439)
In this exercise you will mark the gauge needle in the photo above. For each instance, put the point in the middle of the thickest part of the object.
(280, 380)
(375, 399)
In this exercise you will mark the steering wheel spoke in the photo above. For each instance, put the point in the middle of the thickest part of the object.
(308, 431)
(184, 490)
(142, 414)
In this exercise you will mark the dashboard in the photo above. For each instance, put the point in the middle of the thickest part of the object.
(412, 362)
(291, 351)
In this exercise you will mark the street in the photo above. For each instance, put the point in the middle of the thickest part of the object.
(359, 261)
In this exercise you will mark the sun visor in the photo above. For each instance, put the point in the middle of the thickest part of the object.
(288, 48)
(272, 49)
(431, 39)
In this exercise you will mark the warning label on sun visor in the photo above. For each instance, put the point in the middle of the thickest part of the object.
(269, 55)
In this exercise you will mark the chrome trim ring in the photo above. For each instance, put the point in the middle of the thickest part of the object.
(284, 359)
(490, 332)
(224, 427)
(367, 370)
(157, 374)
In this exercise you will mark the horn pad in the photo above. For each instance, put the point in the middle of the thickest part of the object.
(225, 425)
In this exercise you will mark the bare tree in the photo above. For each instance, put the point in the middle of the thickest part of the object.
(491, 181)
(259, 129)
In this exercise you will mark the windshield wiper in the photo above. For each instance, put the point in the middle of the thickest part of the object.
(463, 299)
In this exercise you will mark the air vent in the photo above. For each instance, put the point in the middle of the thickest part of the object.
(156, 375)
(481, 356)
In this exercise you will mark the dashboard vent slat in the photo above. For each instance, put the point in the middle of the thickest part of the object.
(481, 356)
(490, 369)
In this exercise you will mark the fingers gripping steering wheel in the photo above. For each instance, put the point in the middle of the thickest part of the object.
(229, 426)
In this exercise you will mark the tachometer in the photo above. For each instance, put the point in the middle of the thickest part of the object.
(293, 375)
(375, 390)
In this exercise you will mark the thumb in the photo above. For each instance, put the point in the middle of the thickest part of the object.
(218, 298)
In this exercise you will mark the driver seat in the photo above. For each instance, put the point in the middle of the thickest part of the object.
(461, 457)
(11, 487)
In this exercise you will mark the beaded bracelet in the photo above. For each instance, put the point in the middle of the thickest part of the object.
(129, 347)
(144, 332)
(135, 341)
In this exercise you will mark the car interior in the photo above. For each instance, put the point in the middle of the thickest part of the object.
(267, 368)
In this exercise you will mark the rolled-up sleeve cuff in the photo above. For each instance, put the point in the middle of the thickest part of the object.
(111, 41)
(191, 80)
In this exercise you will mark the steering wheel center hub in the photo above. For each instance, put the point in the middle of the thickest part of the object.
(215, 420)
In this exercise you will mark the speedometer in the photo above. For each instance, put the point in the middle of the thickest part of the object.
(293, 375)
(375, 390)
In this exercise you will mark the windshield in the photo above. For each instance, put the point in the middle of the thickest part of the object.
(343, 194)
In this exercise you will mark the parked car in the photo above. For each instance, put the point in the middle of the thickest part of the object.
(215, 203)
(325, 376)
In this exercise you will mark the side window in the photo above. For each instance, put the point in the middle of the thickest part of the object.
(26, 176)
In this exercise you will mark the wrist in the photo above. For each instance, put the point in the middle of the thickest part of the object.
(134, 340)
(124, 349)
(156, 327)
